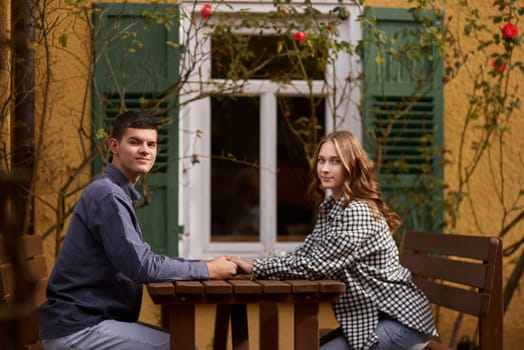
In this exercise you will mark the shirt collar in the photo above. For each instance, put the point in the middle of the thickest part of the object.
(331, 206)
(122, 181)
(328, 203)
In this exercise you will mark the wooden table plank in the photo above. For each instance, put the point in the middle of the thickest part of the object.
(274, 287)
(303, 286)
(161, 288)
(332, 286)
(245, 287)
(189, 287)
(217, 287)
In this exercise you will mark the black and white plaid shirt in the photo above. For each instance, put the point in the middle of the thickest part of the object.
(352, 246)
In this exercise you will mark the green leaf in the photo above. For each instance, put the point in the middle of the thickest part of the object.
(63, 40)
(101, 134)
(467, 29)
(172, 44)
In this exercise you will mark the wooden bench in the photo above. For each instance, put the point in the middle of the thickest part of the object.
(462, 273)
(22, 290)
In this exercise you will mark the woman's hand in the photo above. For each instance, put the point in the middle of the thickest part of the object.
(244, 266)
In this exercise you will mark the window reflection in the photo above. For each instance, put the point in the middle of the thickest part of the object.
(271, 57)
(234, 180)
(298, 129)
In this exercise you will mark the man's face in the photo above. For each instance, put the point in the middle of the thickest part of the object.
(135, 155)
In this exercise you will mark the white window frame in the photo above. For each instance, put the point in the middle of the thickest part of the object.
(195, 184)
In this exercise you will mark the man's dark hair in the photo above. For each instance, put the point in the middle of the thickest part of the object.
(132, 119)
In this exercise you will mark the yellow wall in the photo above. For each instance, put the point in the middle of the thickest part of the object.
(65, 110)
(64, 116)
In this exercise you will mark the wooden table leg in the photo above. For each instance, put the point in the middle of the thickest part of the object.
(239, 327)
(221, 327)
(306, 327)
(182, 326)
(164, 316)
(269, 326)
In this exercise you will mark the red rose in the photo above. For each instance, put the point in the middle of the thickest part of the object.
(329, 27)
(510, 31)
(498, 64)
(206, 11)
(300, 36)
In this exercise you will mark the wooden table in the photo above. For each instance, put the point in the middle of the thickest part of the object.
(232, 296)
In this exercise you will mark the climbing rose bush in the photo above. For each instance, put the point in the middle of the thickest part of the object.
(498, 64)
(510, 31)
(300, 36)
(206, 11)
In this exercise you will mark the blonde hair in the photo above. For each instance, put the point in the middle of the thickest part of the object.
(360, 182)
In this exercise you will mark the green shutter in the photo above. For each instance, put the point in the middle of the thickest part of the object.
(403, 114)
(136, 64)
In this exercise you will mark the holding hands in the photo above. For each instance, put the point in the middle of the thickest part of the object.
(221, 268)
(243, 266)
(228, 267)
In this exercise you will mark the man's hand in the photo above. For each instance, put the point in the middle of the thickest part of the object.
(221, 268)
(244, 266)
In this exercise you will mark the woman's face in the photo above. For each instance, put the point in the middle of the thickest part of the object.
(330, 170)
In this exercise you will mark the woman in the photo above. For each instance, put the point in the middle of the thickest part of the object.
(352, 242)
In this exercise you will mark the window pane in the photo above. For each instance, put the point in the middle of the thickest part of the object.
(262, 57)
(235, 185)
(294, 216)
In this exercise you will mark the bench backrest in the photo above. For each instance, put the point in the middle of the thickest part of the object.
(460, 272)
(22, 289)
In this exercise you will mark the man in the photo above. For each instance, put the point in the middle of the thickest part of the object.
(95, 289)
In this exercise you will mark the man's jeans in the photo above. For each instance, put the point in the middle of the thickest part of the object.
(114, 335)
(392, 335)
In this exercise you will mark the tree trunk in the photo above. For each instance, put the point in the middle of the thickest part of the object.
(23, 29)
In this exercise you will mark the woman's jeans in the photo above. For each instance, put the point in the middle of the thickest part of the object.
(392, 335)
(114, 335)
